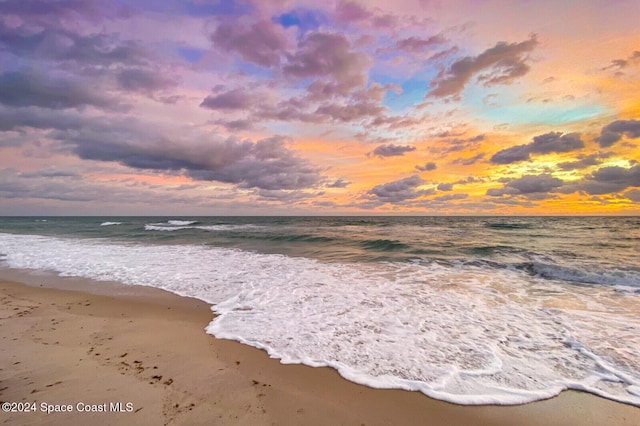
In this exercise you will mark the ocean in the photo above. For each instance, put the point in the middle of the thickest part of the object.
(471, 310)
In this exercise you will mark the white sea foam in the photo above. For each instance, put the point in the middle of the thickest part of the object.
(465, 334)
(174, 227)
(110, 223)
(181, 222)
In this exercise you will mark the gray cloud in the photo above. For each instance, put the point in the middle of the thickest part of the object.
(416, 44)
(145, 81)
(266, 164)
(339, 183)
(427, 167)
(449, 197)
(93, 51)
(608, 180)
(324, 54)
(469, 161)
(613, 132)
(445, 187)
(399, 190)
(542, 144)
(30, 88)
(230, 100)
(391, 150)
(528, 185)
(584, 161)
(261, 43)
(633, 195)
(504, 63)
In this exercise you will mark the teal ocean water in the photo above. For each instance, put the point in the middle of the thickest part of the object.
(471, 310)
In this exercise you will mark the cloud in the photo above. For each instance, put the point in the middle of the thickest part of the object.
(328, 55)
(265, 164)
(542, 144)
(469, 161)
(445, 187)
(528, 185)
(503, 63)
(339, 183)
(416, 44)
(633, 195)
(449, 197)
(261, 43)
(235, 99)
(613, 132)
(94, 51)
(427, 167)
(350, 11)
(584, 161)
(399, 190)
(144, 81)
(31, 88)
(608, 180)
(391, 150)
(47, 12)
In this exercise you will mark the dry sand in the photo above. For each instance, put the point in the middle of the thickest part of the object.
(149, 349)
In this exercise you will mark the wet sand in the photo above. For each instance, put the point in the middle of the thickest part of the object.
(148, 351)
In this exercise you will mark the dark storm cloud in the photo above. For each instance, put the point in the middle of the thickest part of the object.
(31, 88)
(528, 185)
(391, 150)
(613, 132)
(542, 144)
(261, 43)
(427, 167)
(399, 190)
(503, 63)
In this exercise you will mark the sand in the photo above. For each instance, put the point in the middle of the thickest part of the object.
(148, 351)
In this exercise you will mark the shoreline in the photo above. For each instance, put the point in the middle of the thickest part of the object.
(148, 347)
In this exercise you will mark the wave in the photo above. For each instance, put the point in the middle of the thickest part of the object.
(177, 227)
(502, 225)
(468, 334)
(182, 222)
(613, 277)
(110, 223)
(383, 245)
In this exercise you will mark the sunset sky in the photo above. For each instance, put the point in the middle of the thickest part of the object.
(264, 107)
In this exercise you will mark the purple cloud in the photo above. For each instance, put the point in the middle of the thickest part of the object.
(613, 132)
(328, 55)
(427, 167)
(529, 185)
(399, 190)
(543, 144)
(503, 63)
(261, 43)
(391, 150)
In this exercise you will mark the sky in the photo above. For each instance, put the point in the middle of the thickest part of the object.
(296, 107)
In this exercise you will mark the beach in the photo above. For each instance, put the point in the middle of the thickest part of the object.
(144, 358)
